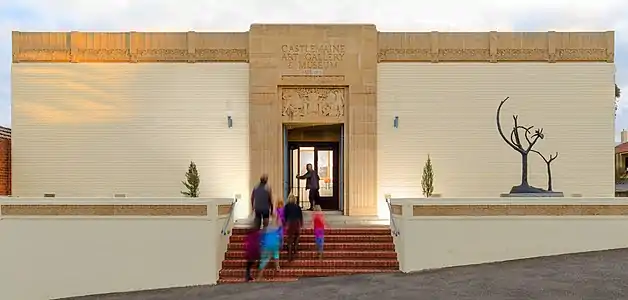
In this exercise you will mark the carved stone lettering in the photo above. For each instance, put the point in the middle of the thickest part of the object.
(298, 103)
(312, 56)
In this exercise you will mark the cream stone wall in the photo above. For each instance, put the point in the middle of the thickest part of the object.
(448, 111)
(448, 232)
(94, 130)
(84, 246)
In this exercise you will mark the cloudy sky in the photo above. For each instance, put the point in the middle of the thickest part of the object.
(388, 15)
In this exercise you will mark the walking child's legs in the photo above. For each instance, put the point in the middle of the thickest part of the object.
(294, 229)
(249, 265)
(266, 255)
(276, 258)
(320, 242)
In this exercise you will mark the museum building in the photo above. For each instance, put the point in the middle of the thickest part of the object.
(103, 114)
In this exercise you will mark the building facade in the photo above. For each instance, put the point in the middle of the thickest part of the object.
(98, 114)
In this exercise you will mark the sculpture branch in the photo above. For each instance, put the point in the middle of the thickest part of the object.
(548, 163)
(515, 128)
(527, 133)
(538, 134)
(499, 127)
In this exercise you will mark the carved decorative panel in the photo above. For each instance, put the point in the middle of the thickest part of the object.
(463, 54)
(210, 55)
(89, 55)
(305, 103)
(396, 54)
(163, 55)
(581, 54)
(522, 54)
(42, 55)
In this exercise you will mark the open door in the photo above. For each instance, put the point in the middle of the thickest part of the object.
(324, 157)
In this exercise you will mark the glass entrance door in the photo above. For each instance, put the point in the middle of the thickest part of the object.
(324, 158)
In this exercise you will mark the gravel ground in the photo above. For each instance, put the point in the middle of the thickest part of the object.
(595, 275)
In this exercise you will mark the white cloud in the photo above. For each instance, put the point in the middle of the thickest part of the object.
(237, 15)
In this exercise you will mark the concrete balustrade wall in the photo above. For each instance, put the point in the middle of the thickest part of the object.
(446, 232)
(55, 247)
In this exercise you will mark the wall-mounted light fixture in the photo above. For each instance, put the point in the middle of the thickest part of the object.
(229, 122)
(396, 122)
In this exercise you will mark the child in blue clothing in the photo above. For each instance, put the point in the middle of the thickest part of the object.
(270, 245)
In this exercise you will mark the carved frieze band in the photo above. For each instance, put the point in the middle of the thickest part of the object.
(312, 102)
(424, 55)
(233, 47)
(129, 47)
(496, 46)
(124, 55)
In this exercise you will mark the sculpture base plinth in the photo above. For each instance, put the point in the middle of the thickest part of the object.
(534, 195)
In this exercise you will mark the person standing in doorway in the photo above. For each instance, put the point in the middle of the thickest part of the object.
(311, 184)
(262, 202)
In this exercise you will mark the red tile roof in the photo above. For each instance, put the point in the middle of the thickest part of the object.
(621, 148)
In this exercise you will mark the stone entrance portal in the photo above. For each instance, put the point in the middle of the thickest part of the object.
(316, 74)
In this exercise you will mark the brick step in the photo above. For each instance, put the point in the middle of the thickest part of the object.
(241, 280)
(346, 254)
(331, 246)
(332, 239)
(324, 263)
(332, 231)
(288, 272)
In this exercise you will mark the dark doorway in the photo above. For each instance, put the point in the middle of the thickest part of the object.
(325, 157)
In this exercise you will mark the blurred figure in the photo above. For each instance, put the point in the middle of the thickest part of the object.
(282, 220)
(318, 220)
(294, 221)
(252, 250)
(271, 243)
(262, 202)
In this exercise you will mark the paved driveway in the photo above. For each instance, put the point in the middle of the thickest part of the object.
(590, 276)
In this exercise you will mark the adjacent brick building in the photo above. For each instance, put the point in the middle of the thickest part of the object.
(5, 161)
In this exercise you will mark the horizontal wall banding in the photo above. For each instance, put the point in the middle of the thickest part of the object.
(102, 210)
(518, 210)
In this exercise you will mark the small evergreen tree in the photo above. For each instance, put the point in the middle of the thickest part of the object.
(427, 180)
(192, 181)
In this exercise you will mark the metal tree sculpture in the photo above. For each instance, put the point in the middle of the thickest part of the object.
(515, 142)
(548, 162)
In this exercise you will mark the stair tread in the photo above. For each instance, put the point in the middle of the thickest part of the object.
(334, 235)
(343, 254)
(303, 273)
(241, 280)
(324, 260)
